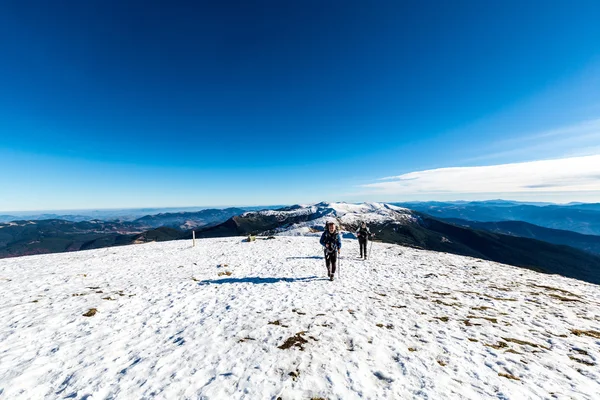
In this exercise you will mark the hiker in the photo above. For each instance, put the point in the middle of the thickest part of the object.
(332, 245)
(363, 235)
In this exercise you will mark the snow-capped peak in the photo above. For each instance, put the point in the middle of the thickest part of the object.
(310, 219)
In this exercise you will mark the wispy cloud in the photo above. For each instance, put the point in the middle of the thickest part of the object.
(572, 174)
(566, 141)
(584, 128)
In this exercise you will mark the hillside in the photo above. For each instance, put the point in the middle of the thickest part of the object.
(237, 320)
(188, 220)
(589, 243)
(581, 218)
(27, 237)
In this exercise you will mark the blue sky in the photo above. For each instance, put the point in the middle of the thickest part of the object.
(107, 104)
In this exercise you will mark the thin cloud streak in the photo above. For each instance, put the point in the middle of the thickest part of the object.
(566, 175)
(584, 128)
(562, 147)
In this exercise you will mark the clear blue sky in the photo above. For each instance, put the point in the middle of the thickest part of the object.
(131, 104)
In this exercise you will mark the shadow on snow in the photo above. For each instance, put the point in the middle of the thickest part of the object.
(257, 280)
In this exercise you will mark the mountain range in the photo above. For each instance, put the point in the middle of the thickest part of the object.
(589, 243)
(26, 237)
(581, 218)
(515, 243)
(119, 215)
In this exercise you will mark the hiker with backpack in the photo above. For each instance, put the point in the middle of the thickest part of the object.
(363, 235)
(332, 245)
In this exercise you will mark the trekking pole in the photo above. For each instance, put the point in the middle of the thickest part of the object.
(339, 266)
(370, 247)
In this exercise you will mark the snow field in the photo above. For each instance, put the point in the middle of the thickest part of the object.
(229, 319)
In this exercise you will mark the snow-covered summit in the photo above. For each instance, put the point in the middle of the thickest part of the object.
(309, 219)
(230, 319)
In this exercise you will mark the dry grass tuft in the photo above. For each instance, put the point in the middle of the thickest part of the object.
(294, 341)
(438, 301)
(224, 273)
(590, 333)
(499, 288)
(492, 320)
(512, 351)
(499, 298)
(278, 324)
(525, 343)
(294, 374)
(508, 376)
(579, 360)
(500, 345)
(91, 312)
(555, 289)
(561, 298)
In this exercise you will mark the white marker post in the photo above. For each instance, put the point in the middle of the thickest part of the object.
(193, 238)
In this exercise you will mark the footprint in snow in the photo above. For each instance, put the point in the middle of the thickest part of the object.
(383, 377)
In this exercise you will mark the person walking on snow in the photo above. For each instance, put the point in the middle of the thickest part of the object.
(332, 245)
(363, 235)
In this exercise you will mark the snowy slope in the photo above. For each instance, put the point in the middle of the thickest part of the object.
(404, 324)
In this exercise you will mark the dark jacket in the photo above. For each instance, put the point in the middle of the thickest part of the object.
(334, 240)
(363, 234)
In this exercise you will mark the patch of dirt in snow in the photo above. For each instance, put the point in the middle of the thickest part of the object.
(294, 341)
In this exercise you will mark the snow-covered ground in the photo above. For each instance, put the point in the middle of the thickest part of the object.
(171, 324)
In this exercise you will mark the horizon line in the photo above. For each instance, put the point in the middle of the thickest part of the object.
(8, 212)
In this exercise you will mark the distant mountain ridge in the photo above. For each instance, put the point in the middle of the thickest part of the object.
(589, 243)
(188, 220)
(580, 218)
(119, 215)
(18, 238)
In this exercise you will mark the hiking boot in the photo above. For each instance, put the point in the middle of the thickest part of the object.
(331, 277)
